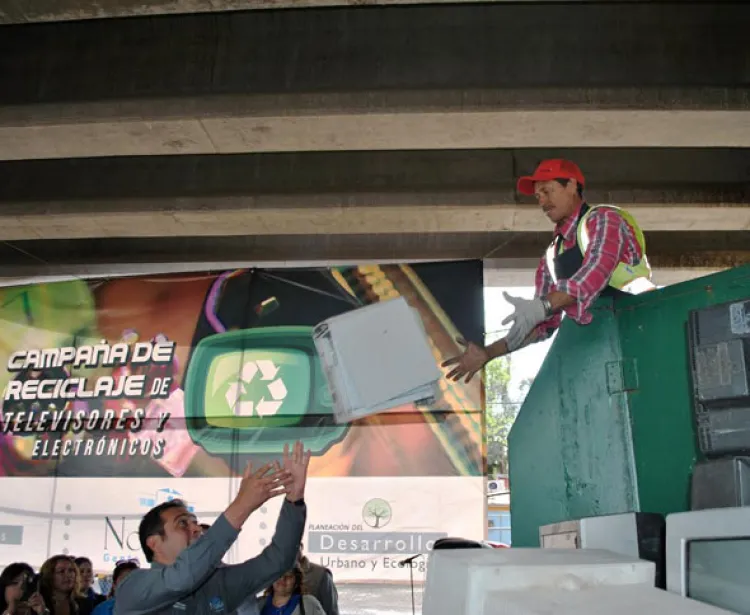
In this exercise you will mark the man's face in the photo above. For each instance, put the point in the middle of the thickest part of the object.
(558, 202)
(181, 529)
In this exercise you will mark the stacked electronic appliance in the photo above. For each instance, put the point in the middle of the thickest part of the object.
(719, 343)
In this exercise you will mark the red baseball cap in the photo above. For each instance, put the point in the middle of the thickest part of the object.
(550, 169)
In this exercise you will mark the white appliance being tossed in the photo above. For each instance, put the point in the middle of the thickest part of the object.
(543, 581)
(376, 358)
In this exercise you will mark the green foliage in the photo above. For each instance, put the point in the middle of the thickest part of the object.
(501, 412)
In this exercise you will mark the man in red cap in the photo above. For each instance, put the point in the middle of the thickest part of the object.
(595, 251)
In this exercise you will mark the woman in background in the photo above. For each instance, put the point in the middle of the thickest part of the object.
(86, 576)
(58, 584)
(287, 597)
(14, 581)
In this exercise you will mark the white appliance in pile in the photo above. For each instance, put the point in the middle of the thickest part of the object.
(376, 358)
(546, 581)
(708, 556)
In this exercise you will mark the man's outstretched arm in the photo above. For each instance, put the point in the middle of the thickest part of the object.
(246, 579)
(148, 591)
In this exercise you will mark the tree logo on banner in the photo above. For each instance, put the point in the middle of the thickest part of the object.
(377, 513)
(257, 391)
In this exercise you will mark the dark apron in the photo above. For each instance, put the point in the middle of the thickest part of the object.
(569, 261)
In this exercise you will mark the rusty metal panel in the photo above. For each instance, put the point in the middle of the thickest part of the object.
(570, 448)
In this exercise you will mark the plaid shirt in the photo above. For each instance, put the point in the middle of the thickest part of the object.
(612, 241)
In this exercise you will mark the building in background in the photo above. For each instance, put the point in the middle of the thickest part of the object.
(498, 510)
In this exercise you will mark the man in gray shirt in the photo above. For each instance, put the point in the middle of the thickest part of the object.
(185, 577)
(250, 605)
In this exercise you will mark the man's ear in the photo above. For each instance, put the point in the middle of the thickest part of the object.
(153, 541)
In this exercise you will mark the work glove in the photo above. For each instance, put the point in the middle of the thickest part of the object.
(527, 315)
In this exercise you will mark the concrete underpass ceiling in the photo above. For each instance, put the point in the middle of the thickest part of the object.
(357, 205)
(512, 250)
(350, 133)
(30, 11)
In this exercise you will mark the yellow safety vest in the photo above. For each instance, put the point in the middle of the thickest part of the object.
(633, 279)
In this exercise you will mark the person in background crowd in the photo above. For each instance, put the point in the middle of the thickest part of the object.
(86, 576)
(186, 574)
(319, 583)
(287, 596)
(13, 582)
(58, 584)
(121, 571)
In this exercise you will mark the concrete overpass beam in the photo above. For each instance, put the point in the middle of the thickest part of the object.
(92, 88)
(390, 193)
(30, 11)
(619, 175)
(449, 129)
(314, 214)
(44, 257)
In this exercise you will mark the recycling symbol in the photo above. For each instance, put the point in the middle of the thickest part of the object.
(254, 373)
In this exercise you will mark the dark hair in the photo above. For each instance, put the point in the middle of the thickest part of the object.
(79, 561)
(299, 581)
(152, 525)
(564, 181)
(10, 574)
(205, 526)
(120, 569)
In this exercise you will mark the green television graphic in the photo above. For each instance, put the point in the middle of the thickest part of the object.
(253, 390)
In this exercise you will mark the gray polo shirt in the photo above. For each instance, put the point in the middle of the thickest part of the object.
(196, 585)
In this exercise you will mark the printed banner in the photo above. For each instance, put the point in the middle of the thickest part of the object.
(113, 389)
(360, 528)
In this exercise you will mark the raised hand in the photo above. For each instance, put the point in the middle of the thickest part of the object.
(468, 363)
(36, 603)
(296, 465)
(257, 487)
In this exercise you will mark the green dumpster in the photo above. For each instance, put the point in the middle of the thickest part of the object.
(607, 426)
